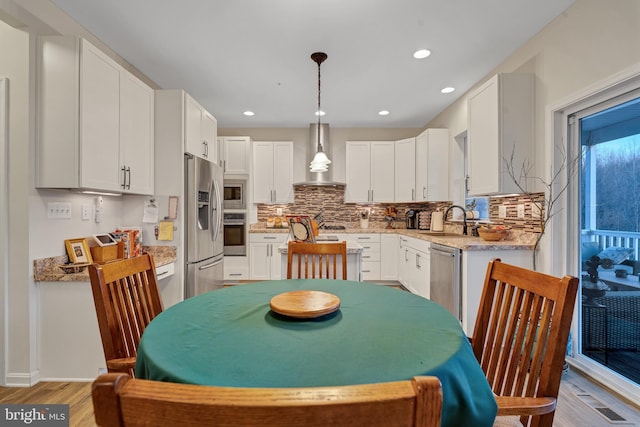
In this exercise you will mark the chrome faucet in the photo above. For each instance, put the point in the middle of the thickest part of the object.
(464, 217)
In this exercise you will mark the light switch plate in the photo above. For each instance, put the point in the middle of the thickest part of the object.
(58, 210)
(85, 212)
(502, 211)
(521, 211)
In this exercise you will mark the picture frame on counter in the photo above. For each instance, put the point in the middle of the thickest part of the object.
(78, 251)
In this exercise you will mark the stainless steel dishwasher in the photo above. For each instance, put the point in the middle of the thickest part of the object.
(446, 283)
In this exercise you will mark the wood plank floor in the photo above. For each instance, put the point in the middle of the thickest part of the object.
(571, 411)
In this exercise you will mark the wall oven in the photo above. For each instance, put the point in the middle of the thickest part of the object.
(235, 194)
(235, 234)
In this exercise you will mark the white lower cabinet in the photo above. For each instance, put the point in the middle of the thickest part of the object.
(264, 258)
(474, 268)
(389, 257)
(370, 243)
(236, 268)
(413, 265)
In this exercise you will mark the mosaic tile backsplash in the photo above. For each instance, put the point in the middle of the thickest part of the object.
(310, 201)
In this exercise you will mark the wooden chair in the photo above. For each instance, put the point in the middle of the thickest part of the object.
(120, 400)
(126, 297)
(520, 339)
(322, 257)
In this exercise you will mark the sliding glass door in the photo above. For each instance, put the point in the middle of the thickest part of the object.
(608, 137)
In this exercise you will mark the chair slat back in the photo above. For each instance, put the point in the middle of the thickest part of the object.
(316, 260)
(121, 400)
(521, 331)
(126, 297)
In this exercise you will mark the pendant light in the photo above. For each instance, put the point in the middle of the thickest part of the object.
(320, 162)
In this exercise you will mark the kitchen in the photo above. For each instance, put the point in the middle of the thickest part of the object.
(27, 206)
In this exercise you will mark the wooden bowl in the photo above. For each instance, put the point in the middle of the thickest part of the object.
(492, 234)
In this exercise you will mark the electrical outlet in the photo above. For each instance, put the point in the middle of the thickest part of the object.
(279, 211)
(535, 211)
(57, 210)
(520, 211)
(502, 211)
(85, 212)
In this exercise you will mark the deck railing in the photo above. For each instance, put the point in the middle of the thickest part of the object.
(608, 238)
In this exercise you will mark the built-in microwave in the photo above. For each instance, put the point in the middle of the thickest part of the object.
(235, 194)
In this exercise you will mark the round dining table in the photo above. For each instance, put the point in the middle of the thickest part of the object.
(231, 337)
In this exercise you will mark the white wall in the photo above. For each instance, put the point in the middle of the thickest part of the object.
(592, 40)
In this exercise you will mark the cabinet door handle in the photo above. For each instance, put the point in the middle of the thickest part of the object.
(405, 255)
(269, 237)
(129, 177)
(123, 169)
(204, 148)
(424, 189)
(235, 274)
(418, 260)
(413, 194)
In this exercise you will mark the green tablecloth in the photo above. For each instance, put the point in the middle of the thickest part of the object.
(230, 337)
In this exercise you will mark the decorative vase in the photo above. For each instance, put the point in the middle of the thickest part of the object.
(364, 223)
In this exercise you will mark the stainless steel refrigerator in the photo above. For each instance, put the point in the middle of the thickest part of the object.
(204, 237)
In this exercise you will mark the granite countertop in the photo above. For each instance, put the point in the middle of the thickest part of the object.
(46, 269)
(515, 240)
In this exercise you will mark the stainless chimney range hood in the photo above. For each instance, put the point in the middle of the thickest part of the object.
(318, 179)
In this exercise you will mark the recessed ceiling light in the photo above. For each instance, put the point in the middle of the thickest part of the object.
(248, 113)
(320, 113)
(421, 54)
(383, 113)
(448, 89)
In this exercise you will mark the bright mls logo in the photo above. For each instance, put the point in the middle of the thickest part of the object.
(34, 415)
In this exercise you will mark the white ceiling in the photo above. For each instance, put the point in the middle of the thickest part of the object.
(237, 55)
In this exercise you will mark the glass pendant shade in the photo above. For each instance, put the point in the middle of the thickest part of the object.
(320, 162)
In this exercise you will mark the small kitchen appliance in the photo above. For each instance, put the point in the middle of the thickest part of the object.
(235, 194)
(412, 219)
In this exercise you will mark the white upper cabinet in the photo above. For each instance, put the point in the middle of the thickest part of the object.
(370, 171)
(432, 165)
(136, 135)
(234, 154)
(94, 121)
(272, 172)
(500, 125)
(200, 131)
(405, 170)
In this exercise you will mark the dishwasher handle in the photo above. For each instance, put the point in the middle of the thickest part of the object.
(441, 252)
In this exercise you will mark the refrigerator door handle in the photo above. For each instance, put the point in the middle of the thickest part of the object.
(210, 265)
(216, 212)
